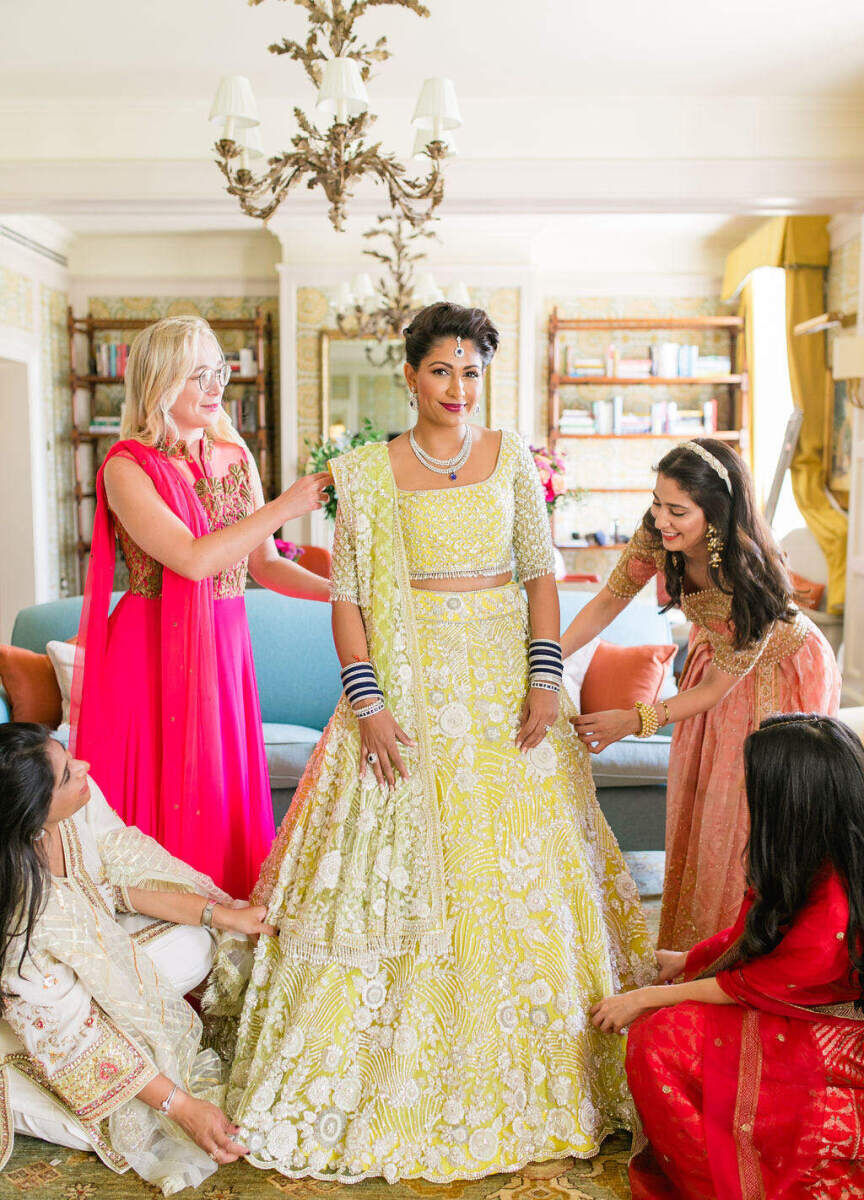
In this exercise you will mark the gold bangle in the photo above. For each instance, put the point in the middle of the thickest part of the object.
(207, 914)
(666, 717)
(647, 718)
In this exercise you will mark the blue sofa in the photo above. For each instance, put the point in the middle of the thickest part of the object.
(298, 683)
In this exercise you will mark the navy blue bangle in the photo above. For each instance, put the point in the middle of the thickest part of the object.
(544, 658)
(360, 682)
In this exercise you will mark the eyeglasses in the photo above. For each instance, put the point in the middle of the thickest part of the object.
(211, 377)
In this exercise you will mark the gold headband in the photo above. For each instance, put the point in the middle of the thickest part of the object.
(714, 463)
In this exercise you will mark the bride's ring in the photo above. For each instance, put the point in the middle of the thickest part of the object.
(372, 757)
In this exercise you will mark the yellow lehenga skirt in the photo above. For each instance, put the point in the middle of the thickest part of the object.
(481, 1059)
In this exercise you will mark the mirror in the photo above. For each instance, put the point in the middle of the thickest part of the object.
(363, 378)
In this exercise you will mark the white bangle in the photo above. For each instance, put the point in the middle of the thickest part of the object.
(166, 1103)
(370, 710)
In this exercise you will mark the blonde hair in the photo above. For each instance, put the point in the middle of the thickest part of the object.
(160, 359)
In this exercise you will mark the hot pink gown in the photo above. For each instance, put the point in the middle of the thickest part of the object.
(792, 669)
(171, 725)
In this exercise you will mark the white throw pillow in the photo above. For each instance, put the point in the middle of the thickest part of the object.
(576, 668)
(62, 655)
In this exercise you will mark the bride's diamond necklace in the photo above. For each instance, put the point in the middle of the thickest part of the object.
(443, 466)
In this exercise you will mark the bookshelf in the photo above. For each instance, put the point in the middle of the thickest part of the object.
(600, 463)
(252, 410)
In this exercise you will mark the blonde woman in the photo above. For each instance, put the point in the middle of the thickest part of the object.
(164, 703)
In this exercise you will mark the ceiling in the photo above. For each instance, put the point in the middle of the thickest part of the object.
(622, 107)
(549, 49)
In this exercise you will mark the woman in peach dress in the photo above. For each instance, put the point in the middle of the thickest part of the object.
(751, 654)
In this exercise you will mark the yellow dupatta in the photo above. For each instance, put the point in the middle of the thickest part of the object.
(356, 872)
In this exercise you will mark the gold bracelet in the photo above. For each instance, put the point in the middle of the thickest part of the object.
(207, 914)
(666, 717)
(647, 718)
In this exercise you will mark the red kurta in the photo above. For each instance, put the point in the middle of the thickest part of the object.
(764, 1099)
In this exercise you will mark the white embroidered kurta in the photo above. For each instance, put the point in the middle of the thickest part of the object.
(88, 1017)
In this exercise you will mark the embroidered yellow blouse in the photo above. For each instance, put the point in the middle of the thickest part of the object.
(709, 609)
(475, 529)
(226, 500)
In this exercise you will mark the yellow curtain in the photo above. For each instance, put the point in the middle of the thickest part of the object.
(801, 246)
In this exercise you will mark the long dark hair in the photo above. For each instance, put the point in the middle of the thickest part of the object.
(26, 785)
(752, 568)
(805, 791)
(444, 320)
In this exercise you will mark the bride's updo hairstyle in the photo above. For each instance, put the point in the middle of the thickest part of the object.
(445, 320)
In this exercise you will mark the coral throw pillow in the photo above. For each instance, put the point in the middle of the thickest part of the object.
(807, 593)
(618, 676)
(31, 684)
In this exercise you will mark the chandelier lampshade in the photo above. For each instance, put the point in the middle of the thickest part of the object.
(423, 137)
(342, 92)
(427, 290)
(437, 108)
(343, 301)
(459, 294)
(363, 290)
(234, 104)
(251, 146)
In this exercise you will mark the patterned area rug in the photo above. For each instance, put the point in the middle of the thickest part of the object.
(52, 1173)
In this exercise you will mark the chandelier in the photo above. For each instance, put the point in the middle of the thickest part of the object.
(337, 157)
(381, 313)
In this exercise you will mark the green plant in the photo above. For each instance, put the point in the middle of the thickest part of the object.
(323, 449)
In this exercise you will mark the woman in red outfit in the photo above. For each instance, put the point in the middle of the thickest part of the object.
(756, 1090)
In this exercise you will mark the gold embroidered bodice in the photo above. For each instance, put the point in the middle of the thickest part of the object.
(710, 609)
(476, 529)
(226, 499)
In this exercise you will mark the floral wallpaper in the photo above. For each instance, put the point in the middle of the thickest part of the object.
(842, 280)
(618, 462)
(313, 315)
(57, 418)
(16, 300)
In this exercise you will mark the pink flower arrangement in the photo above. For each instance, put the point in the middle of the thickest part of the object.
(552, 471)
(287, 549)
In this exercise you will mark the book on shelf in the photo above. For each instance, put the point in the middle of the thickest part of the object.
(709, 415)
(242, 362)
(111, 358)
(633, 368)
(712, 364)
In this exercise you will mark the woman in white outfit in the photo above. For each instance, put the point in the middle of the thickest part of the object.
(102, 933)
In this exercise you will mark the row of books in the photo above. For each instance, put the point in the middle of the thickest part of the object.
(111, 358)
(242, 362)
(607, 417)
(666, 360)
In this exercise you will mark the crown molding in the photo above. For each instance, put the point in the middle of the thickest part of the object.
(142, 196)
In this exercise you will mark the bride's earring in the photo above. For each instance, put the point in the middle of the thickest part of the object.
(412, 398)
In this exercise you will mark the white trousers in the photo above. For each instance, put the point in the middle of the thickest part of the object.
(183, 955)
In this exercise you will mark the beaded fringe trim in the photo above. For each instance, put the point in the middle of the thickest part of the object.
(463, 572)
(430, 945)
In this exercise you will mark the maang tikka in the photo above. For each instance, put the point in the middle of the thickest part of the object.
(460, 351)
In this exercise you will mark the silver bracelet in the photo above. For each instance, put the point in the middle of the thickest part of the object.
(207, 914)
(166, 1103)
(544, 686)
(370, 711)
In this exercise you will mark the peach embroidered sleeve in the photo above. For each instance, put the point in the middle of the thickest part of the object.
(638, 564)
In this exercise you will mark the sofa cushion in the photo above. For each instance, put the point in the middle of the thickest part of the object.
(632, 762)
(619, 676)
(29, 682)
(288, 748)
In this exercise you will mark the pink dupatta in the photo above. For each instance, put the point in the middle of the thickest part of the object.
(191, 749)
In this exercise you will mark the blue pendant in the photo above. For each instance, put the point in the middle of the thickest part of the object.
(452, 474)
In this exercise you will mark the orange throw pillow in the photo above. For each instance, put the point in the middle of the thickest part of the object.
(30, 681)
(807, 593)
(618, 676)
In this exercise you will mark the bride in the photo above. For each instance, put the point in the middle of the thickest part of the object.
(449, 898)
